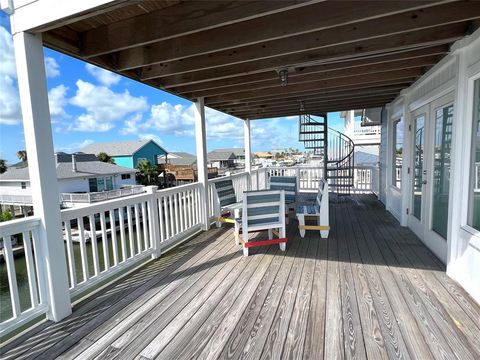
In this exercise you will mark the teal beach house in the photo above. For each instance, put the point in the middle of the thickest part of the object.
(128, 153)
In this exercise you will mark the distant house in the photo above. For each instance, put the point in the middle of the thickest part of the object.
(221, 160)
(238, 152)
(128, 153)
(76, 173)
(178, 159)
(264, 155)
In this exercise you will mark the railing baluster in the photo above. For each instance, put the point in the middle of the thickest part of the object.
(93, 239)
(70, 254)
(106, 255)
(166, 208)
(172, 215)
(138, 229)
(83, 249)
(179, 212)
(113, 234)
(32, 278)
(121, 220)
(189, 205)
(160, 215)
(131, 240)
(146, 240)
(12, 275)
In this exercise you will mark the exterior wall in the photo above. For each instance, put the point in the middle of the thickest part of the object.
(126, 161)
(118, 182)
(73, 185)
(449, 81)
(14, 188)
(150, 152)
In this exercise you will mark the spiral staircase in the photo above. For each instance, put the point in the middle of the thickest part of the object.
(336, 150)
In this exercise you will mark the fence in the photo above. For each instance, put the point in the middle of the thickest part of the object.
(94, 197)
(105, 238)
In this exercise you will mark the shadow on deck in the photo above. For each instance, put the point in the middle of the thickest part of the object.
(372, 290)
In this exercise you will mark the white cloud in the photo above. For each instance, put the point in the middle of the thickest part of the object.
(131, 126)
(52, 68)
(171, 119)
(103, 106)
(153, 137)
(7, 55)
(73, 147)
(57, 100)
(10, 113)
(87, 123)
(105, 77)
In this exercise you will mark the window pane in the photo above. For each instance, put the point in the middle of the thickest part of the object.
(92, 184)
(418, 165)
(101, 184)
(398, 152)
(474, 208)
(441, 169)
(109, 183)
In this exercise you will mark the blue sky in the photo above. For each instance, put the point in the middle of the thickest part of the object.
(89, 104)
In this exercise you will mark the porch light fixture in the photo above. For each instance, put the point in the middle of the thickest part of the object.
(283, 74)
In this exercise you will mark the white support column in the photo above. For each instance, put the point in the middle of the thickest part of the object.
(248, 151)
(41, 165)
(201, 142)
(350, 123)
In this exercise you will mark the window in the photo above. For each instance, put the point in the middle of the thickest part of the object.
(92, 184)
(441, 169)
(474, 193)
(125, 176)
(109, 183)
(23, 185)
(397, 153)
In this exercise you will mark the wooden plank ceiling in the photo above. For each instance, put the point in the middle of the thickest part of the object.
(339, 54)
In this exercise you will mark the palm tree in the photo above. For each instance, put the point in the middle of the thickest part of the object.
(22, 155)
(104, 157)
(148, 174)
(3, 166)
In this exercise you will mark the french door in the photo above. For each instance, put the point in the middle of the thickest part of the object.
(431, 139)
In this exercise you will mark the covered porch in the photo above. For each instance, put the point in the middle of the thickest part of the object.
(160, 282)
(371, 290)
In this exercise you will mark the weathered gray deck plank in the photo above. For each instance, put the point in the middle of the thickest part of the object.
(372, 290)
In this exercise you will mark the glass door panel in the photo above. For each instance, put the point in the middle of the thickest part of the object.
(441, 169)
(418, 154)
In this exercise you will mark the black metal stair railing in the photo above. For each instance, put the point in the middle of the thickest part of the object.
(336, 149)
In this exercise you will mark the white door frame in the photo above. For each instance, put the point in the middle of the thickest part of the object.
(423, 228)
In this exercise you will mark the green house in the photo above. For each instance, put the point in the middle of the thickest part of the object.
(128, 153)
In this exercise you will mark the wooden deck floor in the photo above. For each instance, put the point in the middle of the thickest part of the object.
(372, 290)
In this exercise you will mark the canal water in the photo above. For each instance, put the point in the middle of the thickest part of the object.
(22, 274)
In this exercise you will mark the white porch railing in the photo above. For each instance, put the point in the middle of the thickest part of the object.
(33, 302)
(94, 197)
(105, 238)
(15, 199)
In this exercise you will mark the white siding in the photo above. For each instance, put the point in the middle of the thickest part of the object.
(14, 188)
(73, 185)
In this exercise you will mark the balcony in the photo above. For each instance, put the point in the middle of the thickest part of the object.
(371, 290)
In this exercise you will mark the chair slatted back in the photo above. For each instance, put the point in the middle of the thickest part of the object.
(225, 192)
(322, 191)
(263, 207)
(287, 183)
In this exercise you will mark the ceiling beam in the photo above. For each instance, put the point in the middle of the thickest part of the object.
(397, 42)
(182, 19)
(317, 85)
(309, 103)
(402, 83)
(422, 63)
(317, 110)
(312, 30)
(349, 94)
(189, 80)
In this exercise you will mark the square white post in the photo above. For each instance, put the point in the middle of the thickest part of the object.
(201, 142)
(41, 166)
(154, 221)
(248, 151)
